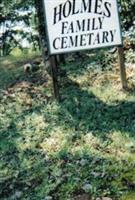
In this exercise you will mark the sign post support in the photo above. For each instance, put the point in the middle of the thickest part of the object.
(53, 64)
(122, 67)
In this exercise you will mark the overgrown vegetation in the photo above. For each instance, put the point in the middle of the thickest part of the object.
(82, 148)
(83, 145)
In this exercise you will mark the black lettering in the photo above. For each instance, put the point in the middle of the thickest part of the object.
(101, 22)
(86, 6)
(67, 9)
(55, 43)
(107, 7)
(98, 4)
(64, 27)
(90, 37)
(83, 40)
(57, 12)
(74, 11)
(97, 39)
(88, 24)
(73, 43)
(112, 35)
(105, 37)
(71, 28)
(64, 42)
(80, 26)
(94, 24)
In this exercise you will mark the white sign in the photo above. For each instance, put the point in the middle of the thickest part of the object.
(74, 25)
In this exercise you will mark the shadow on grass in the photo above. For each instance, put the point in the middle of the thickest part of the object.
(89, 113)
(11, 68)
(32, 174)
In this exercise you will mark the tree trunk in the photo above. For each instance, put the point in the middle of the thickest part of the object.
(41, 29)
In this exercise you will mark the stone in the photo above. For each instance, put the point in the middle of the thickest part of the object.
(106, 198)
(82, 197)
(87, 187)
(48, 198)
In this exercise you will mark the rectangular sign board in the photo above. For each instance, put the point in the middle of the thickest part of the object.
(74, 25)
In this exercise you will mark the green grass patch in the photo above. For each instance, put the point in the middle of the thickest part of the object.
(11, 67)
(84, 145)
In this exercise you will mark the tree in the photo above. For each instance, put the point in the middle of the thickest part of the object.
(41, 28)
(12, 14)
(127, 9)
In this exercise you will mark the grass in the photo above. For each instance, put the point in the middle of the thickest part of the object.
(82, 146)
(11, 67)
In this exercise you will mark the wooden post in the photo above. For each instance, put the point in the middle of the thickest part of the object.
(122, 67)
(55, 77)
(62, 59)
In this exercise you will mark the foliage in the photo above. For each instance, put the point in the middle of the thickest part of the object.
(127, 13)
(83, 145)
(16, 17)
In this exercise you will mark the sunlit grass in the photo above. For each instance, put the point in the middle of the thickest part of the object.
(11, 66)
(84, 144)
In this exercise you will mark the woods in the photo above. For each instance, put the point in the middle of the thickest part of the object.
(81, 145)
